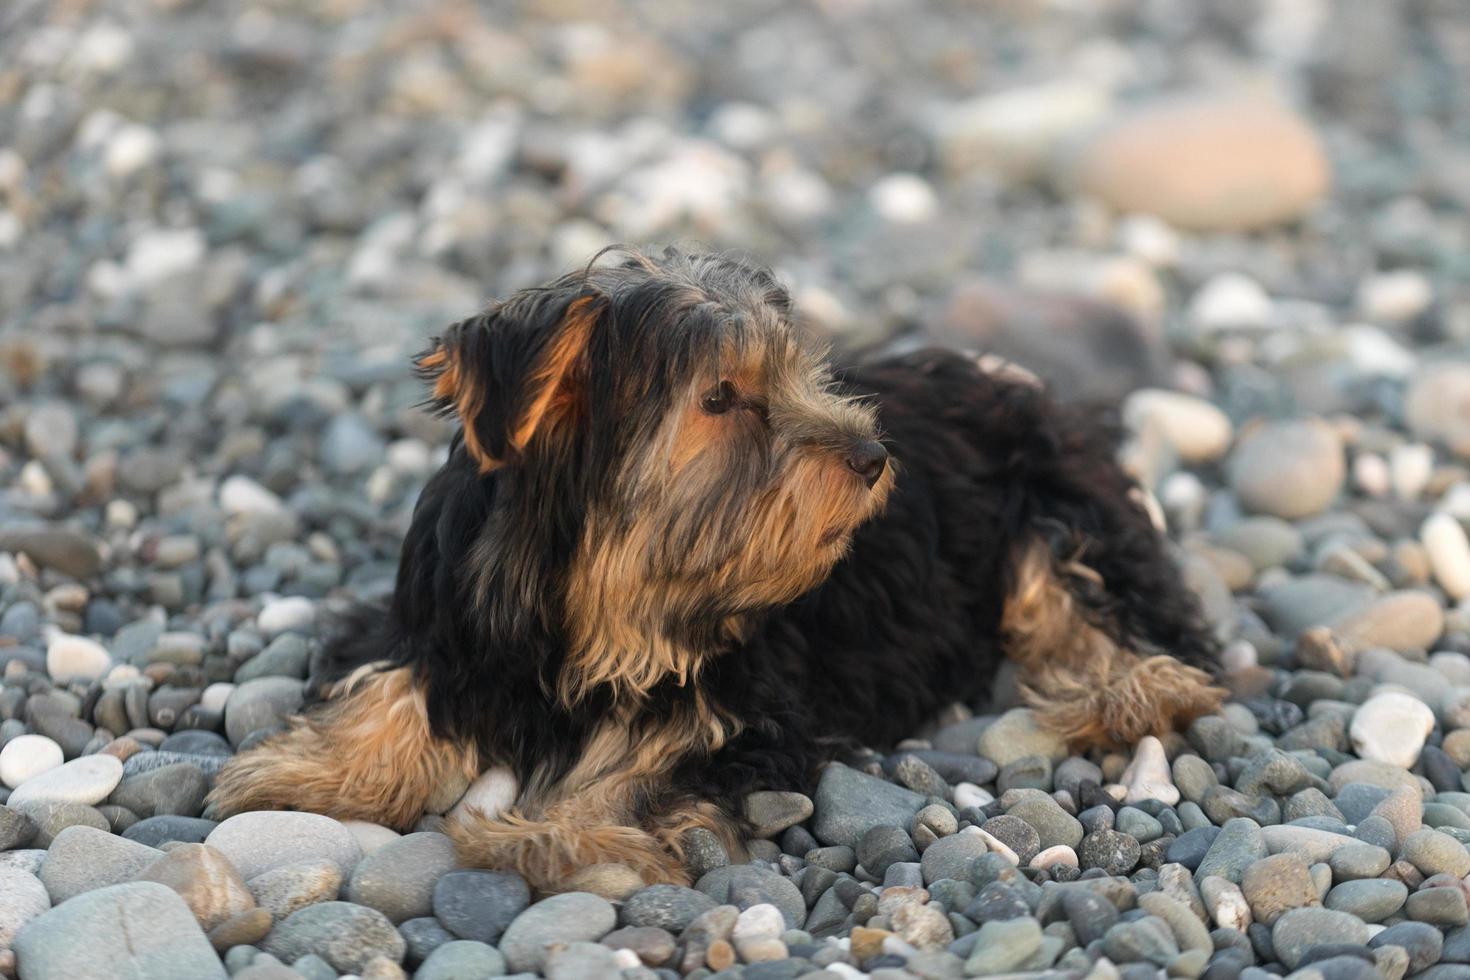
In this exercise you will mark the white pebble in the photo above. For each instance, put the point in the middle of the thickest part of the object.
(1231, 301)
(903, 198)
(968, 794)
(122, 514)
(34, 481)
(120, 676)
(995, 844)
(242, 495)
(86, 780)
(130, 150)
(1183, 497)
(1197, 430)
(1226, 903)
(1056, 855)
(1239, 655)
(28, 755)
(762, 921)
(1150, 239)
(1391, 727)
(1393, 297)
(1410, 467)
(70, 658)
(1147, 776)
(1371, 475)
(370, 836)
(626, 959)
(288, 613)
(492, 793)
(215, 696)
(160, 253)
(1449, 553)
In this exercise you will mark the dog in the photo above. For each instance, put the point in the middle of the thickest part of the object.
(674, 556)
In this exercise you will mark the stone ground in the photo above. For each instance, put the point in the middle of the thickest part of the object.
(224, 227)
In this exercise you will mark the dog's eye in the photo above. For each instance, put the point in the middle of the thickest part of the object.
(719, 399)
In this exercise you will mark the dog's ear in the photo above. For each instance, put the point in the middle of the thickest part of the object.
(513, 373)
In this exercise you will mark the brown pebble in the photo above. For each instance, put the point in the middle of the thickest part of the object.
(243, 929)
(382, 968)
(867, 943)
(123, 747)
(720, 955)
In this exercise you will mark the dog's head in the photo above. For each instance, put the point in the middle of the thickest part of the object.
(711, 465)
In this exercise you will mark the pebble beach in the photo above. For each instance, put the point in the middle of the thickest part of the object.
(225, 229)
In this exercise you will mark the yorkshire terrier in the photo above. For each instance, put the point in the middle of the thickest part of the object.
(674, 557)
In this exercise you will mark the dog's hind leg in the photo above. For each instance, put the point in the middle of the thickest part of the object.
(1076, 668)
(366, 754)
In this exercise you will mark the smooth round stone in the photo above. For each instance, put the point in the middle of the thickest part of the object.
(1421, 941)
(1406, 620)
(286, 889)
(423, 936)
(26, 756)
(173, 790)
(462, 959)
(849, 803)
(196, 742)
(1238, 845)
(1052, 824)
(1352, 862)
(1370, 899)
(399, 878)
(1016, 735)
(137, 929)
(1195, 429)
(951, 857)
(259, 704)
(22, 898)
(347, 936)
(83, 858)
(371, 836)
(567, 918)
(52, 818)
(1018, 835)
(1147, 776)
(291, 613)
(669, 907)
(1449, 553)
(16, 829)
(746, 885)
(76, 658)
(1434, 852)
(1298, 930)
(1290, 469)
(771, 812)
(209, 885)
(479, 905)
(1115, 853)
(1437, 406)
(157, 831)
(261, 841)
(1391, 727)
(87, 780)
(1438, 906)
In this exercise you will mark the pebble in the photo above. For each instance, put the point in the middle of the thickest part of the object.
(951, 857)
(771, 812)
(492, 792)
(265, 840)
(479, 905)
(22, 898)
(1369, 899)
(87, 780)
(209, 884)
(567, 918)
(27, 755)
(1433, 852)
(83, 858)
(462, 959)
(1205, 163)
(260, 703)
(1238, 845)
(140, 928)
(1298, 930)
(399, 878)
(1196, 430)
(1435, 406)
(347, 936)
(1391, 727)
(849, 803)
(1449, 553)
(76, 658)
(1288, 469)
(291, 613)
(290, 887)
(1016, 735)
(1148, 775)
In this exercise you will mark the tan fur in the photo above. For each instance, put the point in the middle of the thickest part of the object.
(592, 815)
(366, 755)
(1083, 684)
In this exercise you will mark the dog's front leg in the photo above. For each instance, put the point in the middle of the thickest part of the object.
(366, 754)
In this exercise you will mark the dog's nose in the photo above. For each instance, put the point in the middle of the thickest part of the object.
(867, 460)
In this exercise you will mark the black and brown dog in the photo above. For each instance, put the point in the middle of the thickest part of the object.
(674, 558)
